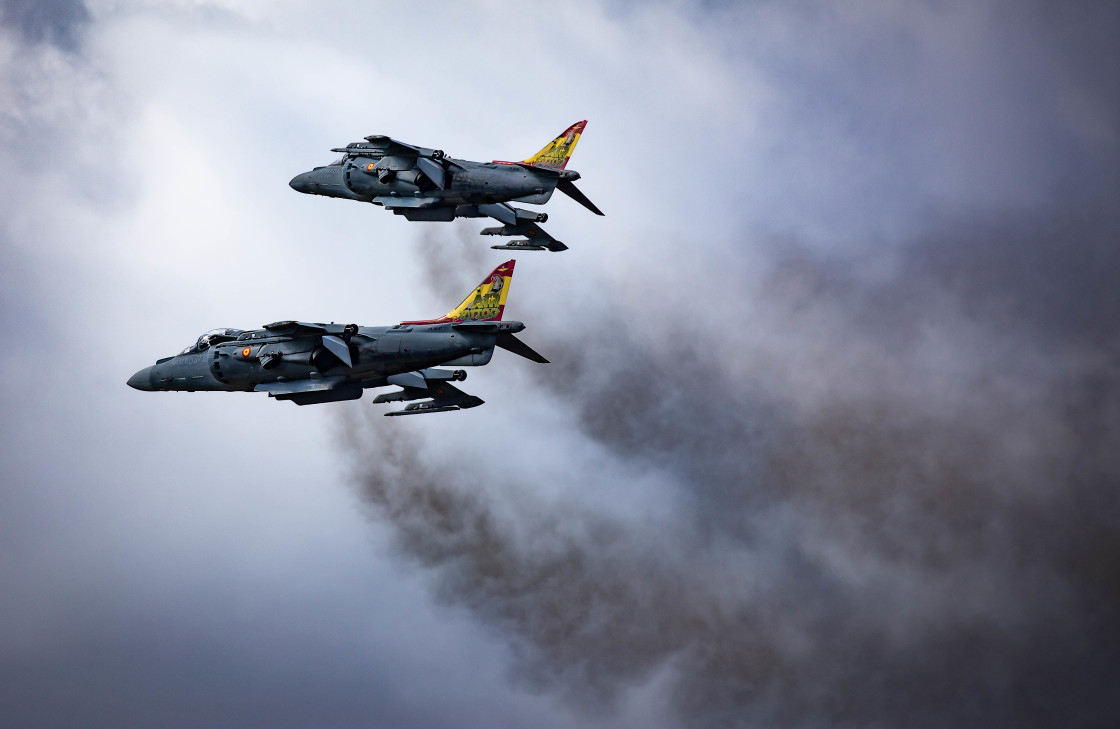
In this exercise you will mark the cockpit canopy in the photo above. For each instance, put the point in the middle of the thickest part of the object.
(337, 163)
(214, 336)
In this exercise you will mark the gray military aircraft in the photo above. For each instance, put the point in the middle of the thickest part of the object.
(425, 184)
(316, 363)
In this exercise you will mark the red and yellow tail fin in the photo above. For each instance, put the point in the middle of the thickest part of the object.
(557, 153)
(485, 303)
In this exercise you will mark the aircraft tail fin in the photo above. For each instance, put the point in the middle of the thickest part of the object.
(557, 152)
(485, 303)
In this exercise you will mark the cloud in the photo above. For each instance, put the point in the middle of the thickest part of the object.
(830, 429)
(882, 429)
(920, 541)
(56, 22)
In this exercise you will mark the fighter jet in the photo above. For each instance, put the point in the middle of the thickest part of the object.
(317, 363)
(425, 184)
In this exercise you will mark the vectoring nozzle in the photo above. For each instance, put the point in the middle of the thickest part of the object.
(410, 177)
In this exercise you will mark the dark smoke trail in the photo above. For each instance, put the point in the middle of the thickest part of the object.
(894, 469)
(928, 538)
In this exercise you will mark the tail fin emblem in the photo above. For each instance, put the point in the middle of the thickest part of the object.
(557, 152)
(485, 303)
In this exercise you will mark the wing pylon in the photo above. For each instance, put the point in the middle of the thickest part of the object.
(430, 383)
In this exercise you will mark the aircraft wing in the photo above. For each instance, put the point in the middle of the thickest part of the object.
(394, 147)
(337, 345)
(298, 387)
(393, 203)
(291, 328)
(312, 391)
(388, 146)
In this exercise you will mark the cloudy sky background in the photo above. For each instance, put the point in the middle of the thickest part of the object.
(830, 436)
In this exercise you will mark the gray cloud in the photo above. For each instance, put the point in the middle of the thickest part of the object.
(879, 557)
(891, 461)
(56, 22)
(829, 434)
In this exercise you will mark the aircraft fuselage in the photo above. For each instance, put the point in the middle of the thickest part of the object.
(259, 357)
(465, 183)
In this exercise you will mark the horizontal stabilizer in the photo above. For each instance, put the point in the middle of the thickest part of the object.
(511, 343)
(569, 188)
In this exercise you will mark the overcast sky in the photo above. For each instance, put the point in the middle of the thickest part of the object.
(831, 433)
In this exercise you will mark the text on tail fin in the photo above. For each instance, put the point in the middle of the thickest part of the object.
(485, 303)
(557, 152)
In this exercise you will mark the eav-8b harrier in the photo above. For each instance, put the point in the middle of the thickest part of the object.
(425, 184)
(318, 363)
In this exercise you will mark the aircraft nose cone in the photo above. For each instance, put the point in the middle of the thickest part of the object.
(301, 182)
(142, 380)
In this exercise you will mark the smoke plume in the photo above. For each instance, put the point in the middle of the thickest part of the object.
(896, 491)
(881, 476)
